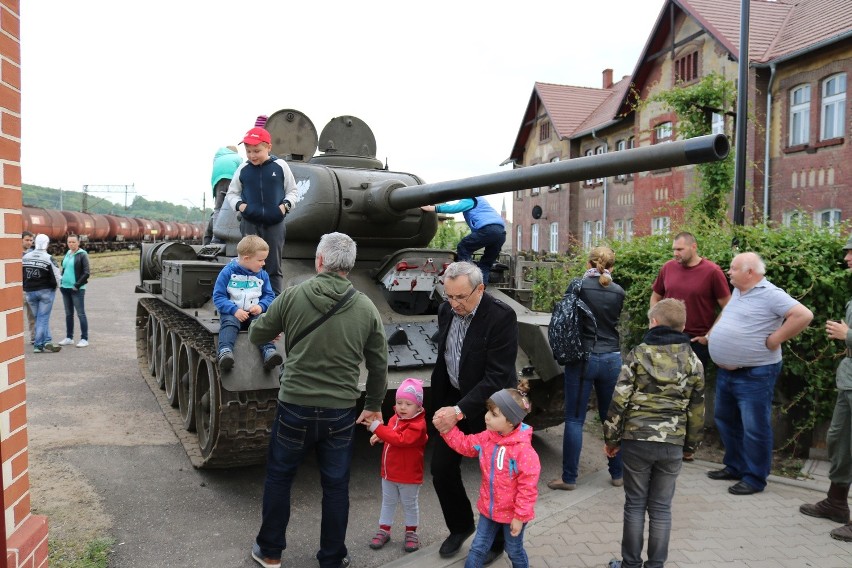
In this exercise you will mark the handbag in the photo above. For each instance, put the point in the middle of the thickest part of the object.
(349, 293)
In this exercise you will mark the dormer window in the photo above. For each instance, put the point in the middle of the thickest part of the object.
(686, 68)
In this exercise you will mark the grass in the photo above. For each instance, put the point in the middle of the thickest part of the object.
(72, 554)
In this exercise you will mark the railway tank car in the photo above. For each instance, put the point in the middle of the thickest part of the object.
(345, 189)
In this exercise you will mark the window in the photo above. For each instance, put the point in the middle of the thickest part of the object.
(794, 218)
(800, 115)
(554, 187)
(618, 229)
(628, 230)
(660, 225)
(544, 131)
(589, 181)
(554, 237)
(686, 68)
(717, 123)
(534, 245)
(833, 103)
(619, 146)
(663, 132)
(598, 231)
(631, 143)
(600, 150)
(520, 244)
(535, 190)
(520, 193)
(587, 234)
(830, 218)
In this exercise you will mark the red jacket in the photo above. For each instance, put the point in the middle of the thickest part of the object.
(405, 441)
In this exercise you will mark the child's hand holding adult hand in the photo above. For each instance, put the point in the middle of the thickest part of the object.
(375, 440)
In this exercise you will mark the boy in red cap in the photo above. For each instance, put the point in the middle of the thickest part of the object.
(263, 190)
(402, 463)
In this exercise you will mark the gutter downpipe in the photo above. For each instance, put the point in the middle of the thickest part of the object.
(766, 157)
(603, 216)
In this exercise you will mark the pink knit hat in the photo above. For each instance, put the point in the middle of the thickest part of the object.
(261, 121)
(411, 389)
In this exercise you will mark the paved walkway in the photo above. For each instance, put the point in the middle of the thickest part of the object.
(711, 527)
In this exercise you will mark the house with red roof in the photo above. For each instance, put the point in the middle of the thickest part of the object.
(799, 160)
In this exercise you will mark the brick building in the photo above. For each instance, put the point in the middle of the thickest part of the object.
(800, 54)
(23, 534)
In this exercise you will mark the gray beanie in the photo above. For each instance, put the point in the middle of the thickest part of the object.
(848, 243)
(513, 410)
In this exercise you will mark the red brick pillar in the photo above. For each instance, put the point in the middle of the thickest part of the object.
(25, 534)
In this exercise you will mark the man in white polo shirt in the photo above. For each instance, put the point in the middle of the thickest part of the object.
(745, 344)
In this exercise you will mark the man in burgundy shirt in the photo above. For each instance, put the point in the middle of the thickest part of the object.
(701, 285)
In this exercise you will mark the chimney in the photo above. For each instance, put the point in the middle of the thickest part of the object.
(607, 78)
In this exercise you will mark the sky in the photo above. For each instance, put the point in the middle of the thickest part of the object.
(143, 93)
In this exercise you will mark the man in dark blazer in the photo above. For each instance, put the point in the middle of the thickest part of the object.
(477, 347)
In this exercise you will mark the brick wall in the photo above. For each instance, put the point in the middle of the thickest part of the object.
(25, 534)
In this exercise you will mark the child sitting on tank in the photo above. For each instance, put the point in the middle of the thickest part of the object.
(243, 292)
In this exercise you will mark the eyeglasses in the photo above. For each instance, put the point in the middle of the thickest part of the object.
(458, 299)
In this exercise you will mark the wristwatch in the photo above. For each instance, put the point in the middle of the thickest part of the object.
(459, 413)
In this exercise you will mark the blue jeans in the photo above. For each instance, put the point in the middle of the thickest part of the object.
(601, 370)
(650, 474)
(486, 530)
(492, 238)
(229, 328)
(298, 430)
(41, 303)
(744, 420)
(75, 300)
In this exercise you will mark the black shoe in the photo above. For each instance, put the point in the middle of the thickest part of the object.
(453, 543)
(491, 556)
(742, 488)
(271, 360)
(723, 473)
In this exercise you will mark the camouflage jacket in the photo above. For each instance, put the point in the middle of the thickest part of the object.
(659, 396)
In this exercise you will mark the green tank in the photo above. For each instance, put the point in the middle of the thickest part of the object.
(225, 420)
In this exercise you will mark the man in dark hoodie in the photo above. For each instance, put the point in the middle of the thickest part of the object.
(656, 417)
(319, 389)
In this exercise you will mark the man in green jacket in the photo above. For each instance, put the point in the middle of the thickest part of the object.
(316, 401)
(836, 505)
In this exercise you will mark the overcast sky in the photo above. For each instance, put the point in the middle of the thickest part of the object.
(143, 93)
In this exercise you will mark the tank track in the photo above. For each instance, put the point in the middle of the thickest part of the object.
(245, 418)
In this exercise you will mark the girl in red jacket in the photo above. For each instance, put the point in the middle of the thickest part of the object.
(402, 463)
(510, 469)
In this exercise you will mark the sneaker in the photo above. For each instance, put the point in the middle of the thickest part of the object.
(66, 341)
(225, 360)
(346, 562)
(412, 541)
(52, 347)
(617, 482)
(263, 560)
(614, 564)
(82, 343)
(38, 349)
(382, 538)
(271, 359)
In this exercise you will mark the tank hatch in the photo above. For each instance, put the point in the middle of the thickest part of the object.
(347, 141)
(294, 136)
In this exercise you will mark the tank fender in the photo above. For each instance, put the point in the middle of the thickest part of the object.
(248, 373)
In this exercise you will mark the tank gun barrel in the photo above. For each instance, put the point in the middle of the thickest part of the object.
(698, 150)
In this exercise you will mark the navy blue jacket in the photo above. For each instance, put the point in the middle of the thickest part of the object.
(263, 189)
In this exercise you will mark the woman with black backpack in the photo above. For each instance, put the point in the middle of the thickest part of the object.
(598, 303)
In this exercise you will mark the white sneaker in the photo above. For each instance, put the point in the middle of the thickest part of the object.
(66, 341)
(82, 343)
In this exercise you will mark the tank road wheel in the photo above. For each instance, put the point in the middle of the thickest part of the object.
(207, 406)
(185, 375)
(172, 347)
(151, 343)
(160, 343)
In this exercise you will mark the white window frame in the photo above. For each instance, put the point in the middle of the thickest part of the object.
(628, 230)
(663, 132)
(600, 150)
(794, 218)
(660, 225)
(717, 123)
(587, 234)
(598, 231)
(618, 229)
(832, 118)
(800, 115)
(556, 186)
(827, 218)
(534, 240)
(619, 146)
(554, 237)
(520, 239)
(589, 152)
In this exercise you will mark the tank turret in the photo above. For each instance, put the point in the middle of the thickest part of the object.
(343, 188)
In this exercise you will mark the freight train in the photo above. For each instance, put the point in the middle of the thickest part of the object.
(100, 232)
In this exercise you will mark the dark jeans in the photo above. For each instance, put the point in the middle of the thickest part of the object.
(601, 371)
(744, 420)
(492, 238)
(486, 530)
(230, 326)
(75, 300)
(274, 236)
(297, 431)
(650, 475)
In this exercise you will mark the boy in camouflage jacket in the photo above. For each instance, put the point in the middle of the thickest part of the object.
(655, 419)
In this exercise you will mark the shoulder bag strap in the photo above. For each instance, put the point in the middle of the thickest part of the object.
(349, 293)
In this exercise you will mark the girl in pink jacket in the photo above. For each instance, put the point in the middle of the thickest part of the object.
(510, 469)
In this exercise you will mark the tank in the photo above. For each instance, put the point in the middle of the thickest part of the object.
(344, 188)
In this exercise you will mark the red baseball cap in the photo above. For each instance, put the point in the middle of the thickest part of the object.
(257, 135)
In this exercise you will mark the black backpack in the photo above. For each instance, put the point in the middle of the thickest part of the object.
(563, 334)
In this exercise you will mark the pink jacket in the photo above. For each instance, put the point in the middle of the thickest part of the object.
(510, 470)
